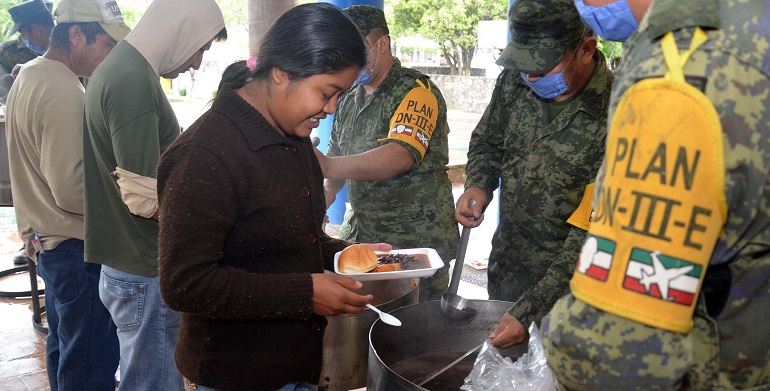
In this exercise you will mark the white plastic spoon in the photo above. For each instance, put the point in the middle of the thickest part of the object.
(387, 318)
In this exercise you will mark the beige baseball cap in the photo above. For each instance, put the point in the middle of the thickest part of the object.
(105, 12)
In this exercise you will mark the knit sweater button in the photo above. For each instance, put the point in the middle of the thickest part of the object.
(317, 327)
(304, 191)
(312, 238)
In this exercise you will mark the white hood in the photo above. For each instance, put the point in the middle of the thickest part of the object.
(171, 31)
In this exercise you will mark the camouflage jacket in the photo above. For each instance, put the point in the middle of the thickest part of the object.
(729, 344)
(14, 52)
(415, 209)
(544, 169)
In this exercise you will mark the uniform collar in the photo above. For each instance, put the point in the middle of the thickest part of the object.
(591, 99)
(387, 84)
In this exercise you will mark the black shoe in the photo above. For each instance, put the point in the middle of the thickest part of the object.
(21, 258)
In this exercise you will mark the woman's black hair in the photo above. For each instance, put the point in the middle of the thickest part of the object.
(60, 35)
(310, 39)
(236, 74)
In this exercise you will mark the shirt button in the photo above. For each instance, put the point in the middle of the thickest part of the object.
(304, 191)
(312, 238)
(317, 327)
(292, 150)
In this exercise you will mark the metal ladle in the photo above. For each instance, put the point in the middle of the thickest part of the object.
(454, 306)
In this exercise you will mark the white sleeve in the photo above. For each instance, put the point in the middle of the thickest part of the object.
(139, 193)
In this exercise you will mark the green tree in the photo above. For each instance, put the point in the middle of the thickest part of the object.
(453, 24)
(611, 50)
(6, 23)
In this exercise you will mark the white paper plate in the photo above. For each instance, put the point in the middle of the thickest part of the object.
(478, 265)
(435, 264)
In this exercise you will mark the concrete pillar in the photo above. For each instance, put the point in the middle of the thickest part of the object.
(262, 15)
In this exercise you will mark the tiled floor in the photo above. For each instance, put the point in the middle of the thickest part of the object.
(22, 349)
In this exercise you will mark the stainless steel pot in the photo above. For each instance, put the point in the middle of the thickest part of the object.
(426, 332)
(346, 343)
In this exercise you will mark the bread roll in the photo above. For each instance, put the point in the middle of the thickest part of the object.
(358, 258)
(390, 267)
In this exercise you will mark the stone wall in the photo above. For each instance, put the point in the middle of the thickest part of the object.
(465, 93)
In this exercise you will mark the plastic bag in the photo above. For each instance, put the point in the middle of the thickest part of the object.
(530, 372)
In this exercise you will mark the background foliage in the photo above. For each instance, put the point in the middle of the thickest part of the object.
(236, 13)
(453, 24)
(5, 18)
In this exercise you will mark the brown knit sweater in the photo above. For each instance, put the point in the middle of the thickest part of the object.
(241, 209)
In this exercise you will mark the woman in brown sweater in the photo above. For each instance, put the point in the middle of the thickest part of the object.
(242, 252)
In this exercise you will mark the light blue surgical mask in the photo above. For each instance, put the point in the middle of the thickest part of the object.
(364, 78)
(613, 21)
(367, 72)
(34, 48)
(548, 87)
(551, 86)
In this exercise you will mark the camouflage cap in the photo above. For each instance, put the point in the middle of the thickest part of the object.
(541, 32)
(366, 18)
(29, 11)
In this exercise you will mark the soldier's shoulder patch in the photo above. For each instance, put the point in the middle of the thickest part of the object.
(415, 119)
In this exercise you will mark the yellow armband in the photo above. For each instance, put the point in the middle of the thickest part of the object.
(582, 216)
(661, 206)
(415, 119)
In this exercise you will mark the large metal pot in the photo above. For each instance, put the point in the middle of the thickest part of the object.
(427, 333)
(346, 343)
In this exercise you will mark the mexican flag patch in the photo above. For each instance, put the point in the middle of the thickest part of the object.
(663, 277)
(596, 257)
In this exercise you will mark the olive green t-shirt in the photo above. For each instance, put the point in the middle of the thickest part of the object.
(128, 124)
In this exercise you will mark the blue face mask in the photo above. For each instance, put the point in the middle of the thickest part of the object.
(34, 48)
(548, 87)
(613, 21)
(365, 77)
(551, 86)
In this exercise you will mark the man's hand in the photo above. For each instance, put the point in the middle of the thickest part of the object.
(463, 212)
(331, 188)
(331, 196)
(332, 295)
(508, 332)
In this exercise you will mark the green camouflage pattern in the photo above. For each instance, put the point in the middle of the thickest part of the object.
(412, 210)
(367, 18)
(541, 31)
(14, 52)
(729, 346)
(544, 168)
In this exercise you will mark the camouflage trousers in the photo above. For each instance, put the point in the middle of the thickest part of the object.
(589, 349)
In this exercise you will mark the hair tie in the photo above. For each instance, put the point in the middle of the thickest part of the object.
(251, 64)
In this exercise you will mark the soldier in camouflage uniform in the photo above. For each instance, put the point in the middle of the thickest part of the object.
(389, 140)
(545, 145)
(33, 20)
(729, 340)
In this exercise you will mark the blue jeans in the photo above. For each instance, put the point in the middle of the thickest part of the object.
(147, 330)
(286, 387)
(81, 347)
